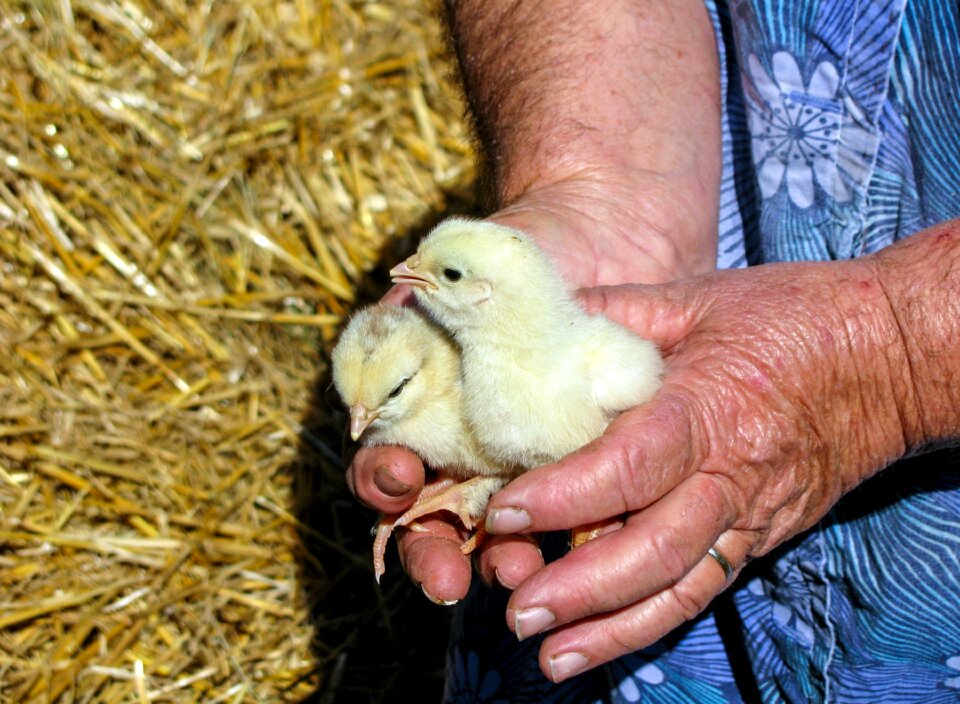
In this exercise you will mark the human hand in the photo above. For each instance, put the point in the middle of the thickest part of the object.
(596, 230)
(617, 187)
(786, 386)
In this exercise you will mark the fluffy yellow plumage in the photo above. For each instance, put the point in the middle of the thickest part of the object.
(541, 377)
(526, 378)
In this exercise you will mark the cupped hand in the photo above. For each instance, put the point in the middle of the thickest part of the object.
(597, 231)
(781, 394)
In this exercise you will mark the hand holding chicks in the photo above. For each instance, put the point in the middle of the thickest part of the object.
(540, 377)
(774, 404)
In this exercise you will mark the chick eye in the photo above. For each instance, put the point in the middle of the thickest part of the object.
(396, 391)
(452, 274)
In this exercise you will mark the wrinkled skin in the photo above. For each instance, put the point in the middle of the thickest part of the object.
(786, 385)
(759, 428)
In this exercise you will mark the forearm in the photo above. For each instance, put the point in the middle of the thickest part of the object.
(615, 103)
(921, 281)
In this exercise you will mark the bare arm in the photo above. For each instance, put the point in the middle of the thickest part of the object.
(602, 118)
(600, 126)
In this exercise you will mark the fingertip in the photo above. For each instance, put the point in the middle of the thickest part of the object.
(553, 497)
(621, 303)
(433, 560)
(400, 295)
(437, 600)
(509, 519)
(661, 313)
(563, 666)
(594, 299)
(506, 561)
(386, 478)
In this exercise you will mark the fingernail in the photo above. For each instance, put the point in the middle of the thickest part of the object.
(528, 622)
(507, 520)
(435, 600)
(389, 484)
(566, 665)
(503, 583)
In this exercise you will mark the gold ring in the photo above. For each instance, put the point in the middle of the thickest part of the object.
(721, 560)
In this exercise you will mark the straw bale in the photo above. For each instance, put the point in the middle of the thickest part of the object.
(192, 197)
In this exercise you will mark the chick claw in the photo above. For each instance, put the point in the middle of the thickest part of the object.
(478, 538)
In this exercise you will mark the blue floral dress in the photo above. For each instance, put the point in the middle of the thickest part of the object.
(841, 125)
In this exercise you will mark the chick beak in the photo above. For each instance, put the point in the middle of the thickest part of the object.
(360, 418)
(406, 273)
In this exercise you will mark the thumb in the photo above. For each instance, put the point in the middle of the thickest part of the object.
(663, 314)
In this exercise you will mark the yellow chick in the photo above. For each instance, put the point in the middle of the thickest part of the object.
(541, 377)
(399, 375)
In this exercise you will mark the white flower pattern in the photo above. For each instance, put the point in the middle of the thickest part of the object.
(803, 133)
(954, 664)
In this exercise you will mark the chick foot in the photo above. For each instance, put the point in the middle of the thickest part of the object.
(478, 538)
(384, 528)
(591, 531)
(468, 502)
(467, 499)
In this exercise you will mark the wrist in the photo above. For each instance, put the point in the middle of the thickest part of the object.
(920, 279)
(875, 413)
(900, 374)
(613, 228)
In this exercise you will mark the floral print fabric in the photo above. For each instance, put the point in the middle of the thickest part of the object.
(841, 134)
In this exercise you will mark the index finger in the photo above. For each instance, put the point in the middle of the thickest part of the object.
(643, 454)
(663, 314)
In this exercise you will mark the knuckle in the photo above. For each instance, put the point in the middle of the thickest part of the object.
(715, 503)
(611, 477)
(688, 600)
(669, 558)
(628, 459)
(628, 634)
(622, 642)
(594, 596)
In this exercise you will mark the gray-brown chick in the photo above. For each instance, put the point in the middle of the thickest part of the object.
(399, 375)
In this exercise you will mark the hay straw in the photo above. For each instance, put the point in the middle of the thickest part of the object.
(192, 197)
